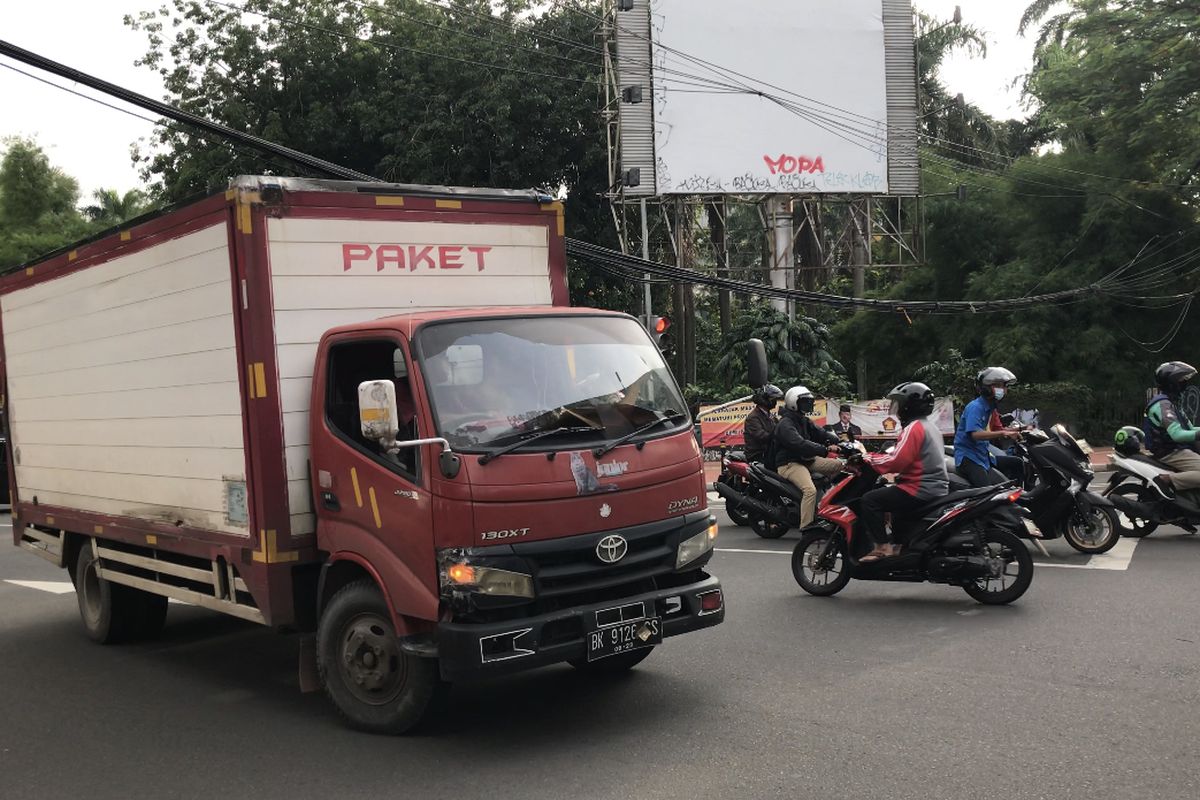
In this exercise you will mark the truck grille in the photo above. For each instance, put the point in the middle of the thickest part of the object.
(570, 567)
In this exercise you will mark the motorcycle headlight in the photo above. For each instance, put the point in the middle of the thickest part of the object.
(692, 548)
(461, 575)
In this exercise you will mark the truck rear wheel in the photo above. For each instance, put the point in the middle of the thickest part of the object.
(113, 613)
(375, 685)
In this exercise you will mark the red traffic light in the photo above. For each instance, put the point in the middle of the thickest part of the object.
(661, 324)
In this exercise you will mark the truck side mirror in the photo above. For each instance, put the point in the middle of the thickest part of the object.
(377, 412)
(756, 363)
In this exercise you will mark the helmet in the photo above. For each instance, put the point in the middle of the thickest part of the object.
(799, 398)
(991, 378)
(911, 401)
(768, 396)
(1128, 441)
(1172, 376)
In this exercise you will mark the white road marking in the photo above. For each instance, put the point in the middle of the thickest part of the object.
(1117, 559)
(53, 587)
(740, 550)
(66, 587)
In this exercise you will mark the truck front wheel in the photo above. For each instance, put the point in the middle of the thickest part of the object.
(374, 684)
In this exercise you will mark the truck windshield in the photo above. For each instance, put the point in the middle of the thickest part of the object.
(495, 381)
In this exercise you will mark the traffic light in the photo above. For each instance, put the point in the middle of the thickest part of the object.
(657, 327)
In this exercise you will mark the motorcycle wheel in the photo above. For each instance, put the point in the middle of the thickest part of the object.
(1009, 584)
(737, 514)
(1135, 527)
(769, 529)
(820, 579)
(1099, 534)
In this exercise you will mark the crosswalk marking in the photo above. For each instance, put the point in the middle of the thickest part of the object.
(66, 587)
(53, 587)
(1117, 559)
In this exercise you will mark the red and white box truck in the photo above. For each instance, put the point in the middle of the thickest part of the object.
(360, 412)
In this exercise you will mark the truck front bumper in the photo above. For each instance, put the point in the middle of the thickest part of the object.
(468, 650)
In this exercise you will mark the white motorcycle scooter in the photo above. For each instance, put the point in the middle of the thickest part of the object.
(1143, 502)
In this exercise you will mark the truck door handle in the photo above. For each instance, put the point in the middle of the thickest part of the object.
(330, 501)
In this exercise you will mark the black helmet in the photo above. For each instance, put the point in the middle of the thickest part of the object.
(768, 396)
(1173, 375)
(990, 377)
(1128, 441)
(911, 401)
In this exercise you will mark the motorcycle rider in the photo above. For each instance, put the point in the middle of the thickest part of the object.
(760, 424)
(801, 449)
(917, 461)
(979, 425)
(1171, 436)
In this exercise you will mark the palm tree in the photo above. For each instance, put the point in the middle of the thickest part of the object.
(112, 208)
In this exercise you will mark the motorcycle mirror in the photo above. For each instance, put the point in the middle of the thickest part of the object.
(756, 362)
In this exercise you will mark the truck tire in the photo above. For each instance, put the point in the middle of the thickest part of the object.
(113, 613)
(613, 665)
(373, 684)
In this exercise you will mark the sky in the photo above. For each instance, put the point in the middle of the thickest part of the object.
(92, 143)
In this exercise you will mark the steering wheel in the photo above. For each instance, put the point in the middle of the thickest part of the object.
(468, 419)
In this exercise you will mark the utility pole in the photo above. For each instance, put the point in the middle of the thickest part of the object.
(781, 254)
(860, 259)
(646, 257)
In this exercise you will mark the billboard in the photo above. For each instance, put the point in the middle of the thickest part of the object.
(767, 97)
(820, 122)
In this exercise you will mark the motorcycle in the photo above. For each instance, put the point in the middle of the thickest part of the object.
(735, 474)
(769, 501)
(1057, 473)
(954, 540)
(1143, 503)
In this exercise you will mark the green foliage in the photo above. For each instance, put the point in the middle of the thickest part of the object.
(112, 208)
(798, 351)
(37, 205)
(953, 377)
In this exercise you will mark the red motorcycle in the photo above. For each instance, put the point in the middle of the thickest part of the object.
(958, 540)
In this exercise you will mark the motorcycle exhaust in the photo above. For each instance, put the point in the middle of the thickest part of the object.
(1133, 508)
(758, 507)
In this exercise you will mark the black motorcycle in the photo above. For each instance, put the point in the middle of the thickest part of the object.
(955, 540)
(768, 501)
(1057, 474)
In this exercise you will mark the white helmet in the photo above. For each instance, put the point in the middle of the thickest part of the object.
(799, 398)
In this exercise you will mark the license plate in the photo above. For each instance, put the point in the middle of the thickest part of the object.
(612, 640)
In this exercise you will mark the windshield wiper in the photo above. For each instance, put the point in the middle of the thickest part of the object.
(670, 416)
(529, 439)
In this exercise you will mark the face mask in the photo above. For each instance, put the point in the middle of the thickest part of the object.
(999, 392)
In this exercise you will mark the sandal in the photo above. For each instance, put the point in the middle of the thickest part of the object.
(879, 553)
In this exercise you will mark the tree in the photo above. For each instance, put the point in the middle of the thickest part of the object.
(37, 204)
(471, 93)
(798, 351)
(112, 208)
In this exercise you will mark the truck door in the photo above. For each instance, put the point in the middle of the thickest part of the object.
(372, 504)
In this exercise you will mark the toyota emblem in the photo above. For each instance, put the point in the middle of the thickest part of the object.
(612, 549)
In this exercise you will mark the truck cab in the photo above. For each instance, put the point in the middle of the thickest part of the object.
(523, 485)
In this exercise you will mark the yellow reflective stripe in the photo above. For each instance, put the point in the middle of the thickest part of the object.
(448, 203)
(126, 236)
(357, 491)
(375, 508)
(388, 200)
(260, 378)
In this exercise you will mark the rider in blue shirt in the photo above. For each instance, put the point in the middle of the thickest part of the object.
(980, 425)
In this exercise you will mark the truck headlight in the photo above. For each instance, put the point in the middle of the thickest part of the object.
(696, 546)
(465, 576)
